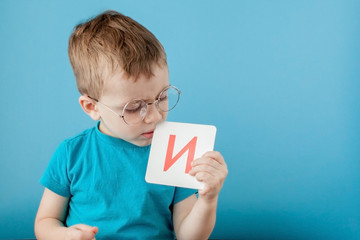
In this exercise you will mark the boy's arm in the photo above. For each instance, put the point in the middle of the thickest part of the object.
(194, 218)
(49, 222)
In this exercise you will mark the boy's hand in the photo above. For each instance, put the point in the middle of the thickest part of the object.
(81, 232)
(210, 169)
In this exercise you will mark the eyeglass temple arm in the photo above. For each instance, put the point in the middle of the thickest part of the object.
(93, 99)
(96, 100)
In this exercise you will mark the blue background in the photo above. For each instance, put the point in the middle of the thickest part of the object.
(279, 79)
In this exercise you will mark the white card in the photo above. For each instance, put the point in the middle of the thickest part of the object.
(174, 147)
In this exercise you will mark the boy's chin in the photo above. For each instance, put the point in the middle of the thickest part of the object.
(143, 142)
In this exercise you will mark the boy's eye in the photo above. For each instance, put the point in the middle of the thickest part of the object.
(163, 97)
(133, 107)
(132, 110)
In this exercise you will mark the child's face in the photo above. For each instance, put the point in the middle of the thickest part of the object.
(119, 91)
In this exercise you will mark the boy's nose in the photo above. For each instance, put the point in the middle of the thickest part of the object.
(152, 114)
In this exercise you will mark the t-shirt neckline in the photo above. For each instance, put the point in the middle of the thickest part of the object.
(116, 141)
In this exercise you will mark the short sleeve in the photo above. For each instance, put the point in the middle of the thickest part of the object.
(183, 193)
(56, 177)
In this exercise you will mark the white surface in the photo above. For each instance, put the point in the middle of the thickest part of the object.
(184, 132)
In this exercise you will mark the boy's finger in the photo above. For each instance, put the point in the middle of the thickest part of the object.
(206, 161)
(87, 228)
(95, 230)
(215, 155)
(204, 168)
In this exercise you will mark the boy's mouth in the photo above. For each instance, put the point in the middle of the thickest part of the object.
(148, 134)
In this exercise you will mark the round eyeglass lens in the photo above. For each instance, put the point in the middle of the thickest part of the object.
(134, 111)
(168, 99)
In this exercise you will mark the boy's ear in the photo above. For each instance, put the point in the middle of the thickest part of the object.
(89, 107)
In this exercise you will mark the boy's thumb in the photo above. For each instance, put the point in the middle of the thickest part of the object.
(95, 230)
(87, 228)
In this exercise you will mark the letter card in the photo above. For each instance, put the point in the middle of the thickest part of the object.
(174, 146)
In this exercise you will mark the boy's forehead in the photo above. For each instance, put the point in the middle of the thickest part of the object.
(121, 88)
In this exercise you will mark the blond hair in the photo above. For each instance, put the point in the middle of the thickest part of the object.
(107, 42)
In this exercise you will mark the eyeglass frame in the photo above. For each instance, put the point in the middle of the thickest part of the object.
(156, 102)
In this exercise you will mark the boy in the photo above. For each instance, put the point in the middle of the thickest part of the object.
(94, 184)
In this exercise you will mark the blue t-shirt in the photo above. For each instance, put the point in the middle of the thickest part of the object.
(104, 178)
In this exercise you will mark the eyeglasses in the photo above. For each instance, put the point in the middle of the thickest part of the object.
(134, 112)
